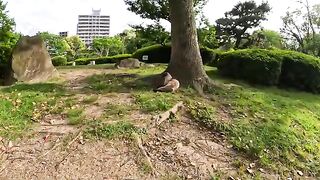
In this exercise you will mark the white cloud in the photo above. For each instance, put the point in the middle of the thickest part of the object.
(54, 16)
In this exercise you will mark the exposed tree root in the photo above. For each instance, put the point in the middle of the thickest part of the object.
(144, 152)
(166, 115)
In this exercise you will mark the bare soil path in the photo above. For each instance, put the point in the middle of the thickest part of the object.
(177, 150)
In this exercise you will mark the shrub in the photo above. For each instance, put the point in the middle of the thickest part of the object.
(253, 65)
(156, 53)
(300, 71)
(59, 61)
(162, 54)
(102, 60)
(272, 67)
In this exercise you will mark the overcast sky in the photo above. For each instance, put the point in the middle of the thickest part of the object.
(54, 16)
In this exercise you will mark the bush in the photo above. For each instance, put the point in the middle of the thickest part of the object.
(300, 71)
(272, 67)
(162, 54)
(102, 60)
(253, 65)
(156, 53)
(59, 61)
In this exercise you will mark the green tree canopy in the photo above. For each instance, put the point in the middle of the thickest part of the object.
(244, 16)
(108, 46)
(7, 37)
(76, 46)
(301, 26)
(56, 45)
(266, 39)
(157, 9)
(207, 36)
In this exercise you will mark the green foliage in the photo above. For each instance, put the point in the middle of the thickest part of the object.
(56, 45)
(59, 61)
(102, 60)
(75, 116)
(301, 28)
(266, 39)
(253, 65)
(162, 54)
(300, 71)
(151, 34)
(8, 39)
(278, 128)
(207, 36)
(98, 129)
(157, 9)
(76, 46)
(272, 67)
(156, 53)
(108, 46)
(242, 17)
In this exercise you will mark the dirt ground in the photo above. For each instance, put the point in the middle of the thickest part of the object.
(177, 150)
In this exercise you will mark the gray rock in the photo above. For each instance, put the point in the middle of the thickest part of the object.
(129, 63)
(31, 62)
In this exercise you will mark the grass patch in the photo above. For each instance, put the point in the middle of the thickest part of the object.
(124, 83)
(151, 102)
(279, 128)
(117, 110)
(75, 116)
(23, 104)
(98, 129)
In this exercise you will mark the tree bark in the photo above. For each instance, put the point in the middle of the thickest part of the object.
(186, 63)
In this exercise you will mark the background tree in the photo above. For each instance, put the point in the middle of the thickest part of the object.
(207, 36)
(56, 45)
(7, 37)
(151, 34)
(185, 64)
(108, 46)
(301, 26)
(157, 9)
(266, 39)
(76, 46)
(129, 39)
(244, 16)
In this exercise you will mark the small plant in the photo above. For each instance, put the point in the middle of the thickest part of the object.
(98, 129)
(117, 110)
(75, 116)
(155, 102)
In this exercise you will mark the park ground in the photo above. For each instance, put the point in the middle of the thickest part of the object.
(97, 122)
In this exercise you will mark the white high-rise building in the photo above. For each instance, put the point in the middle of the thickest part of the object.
(93, 26)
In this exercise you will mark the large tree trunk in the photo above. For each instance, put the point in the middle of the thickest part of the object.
(185, 64)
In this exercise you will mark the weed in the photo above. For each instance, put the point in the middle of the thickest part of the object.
(75, 116)
(117, 110)
(98, 129)
(155, 102)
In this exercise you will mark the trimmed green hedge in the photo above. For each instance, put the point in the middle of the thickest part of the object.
(102, 60)
(156, 54)
(300, 71)
(256, 66)
(59, 61)
(272, 67)
(162, 54)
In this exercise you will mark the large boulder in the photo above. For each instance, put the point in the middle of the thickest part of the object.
(129, 63)
(31, 62)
